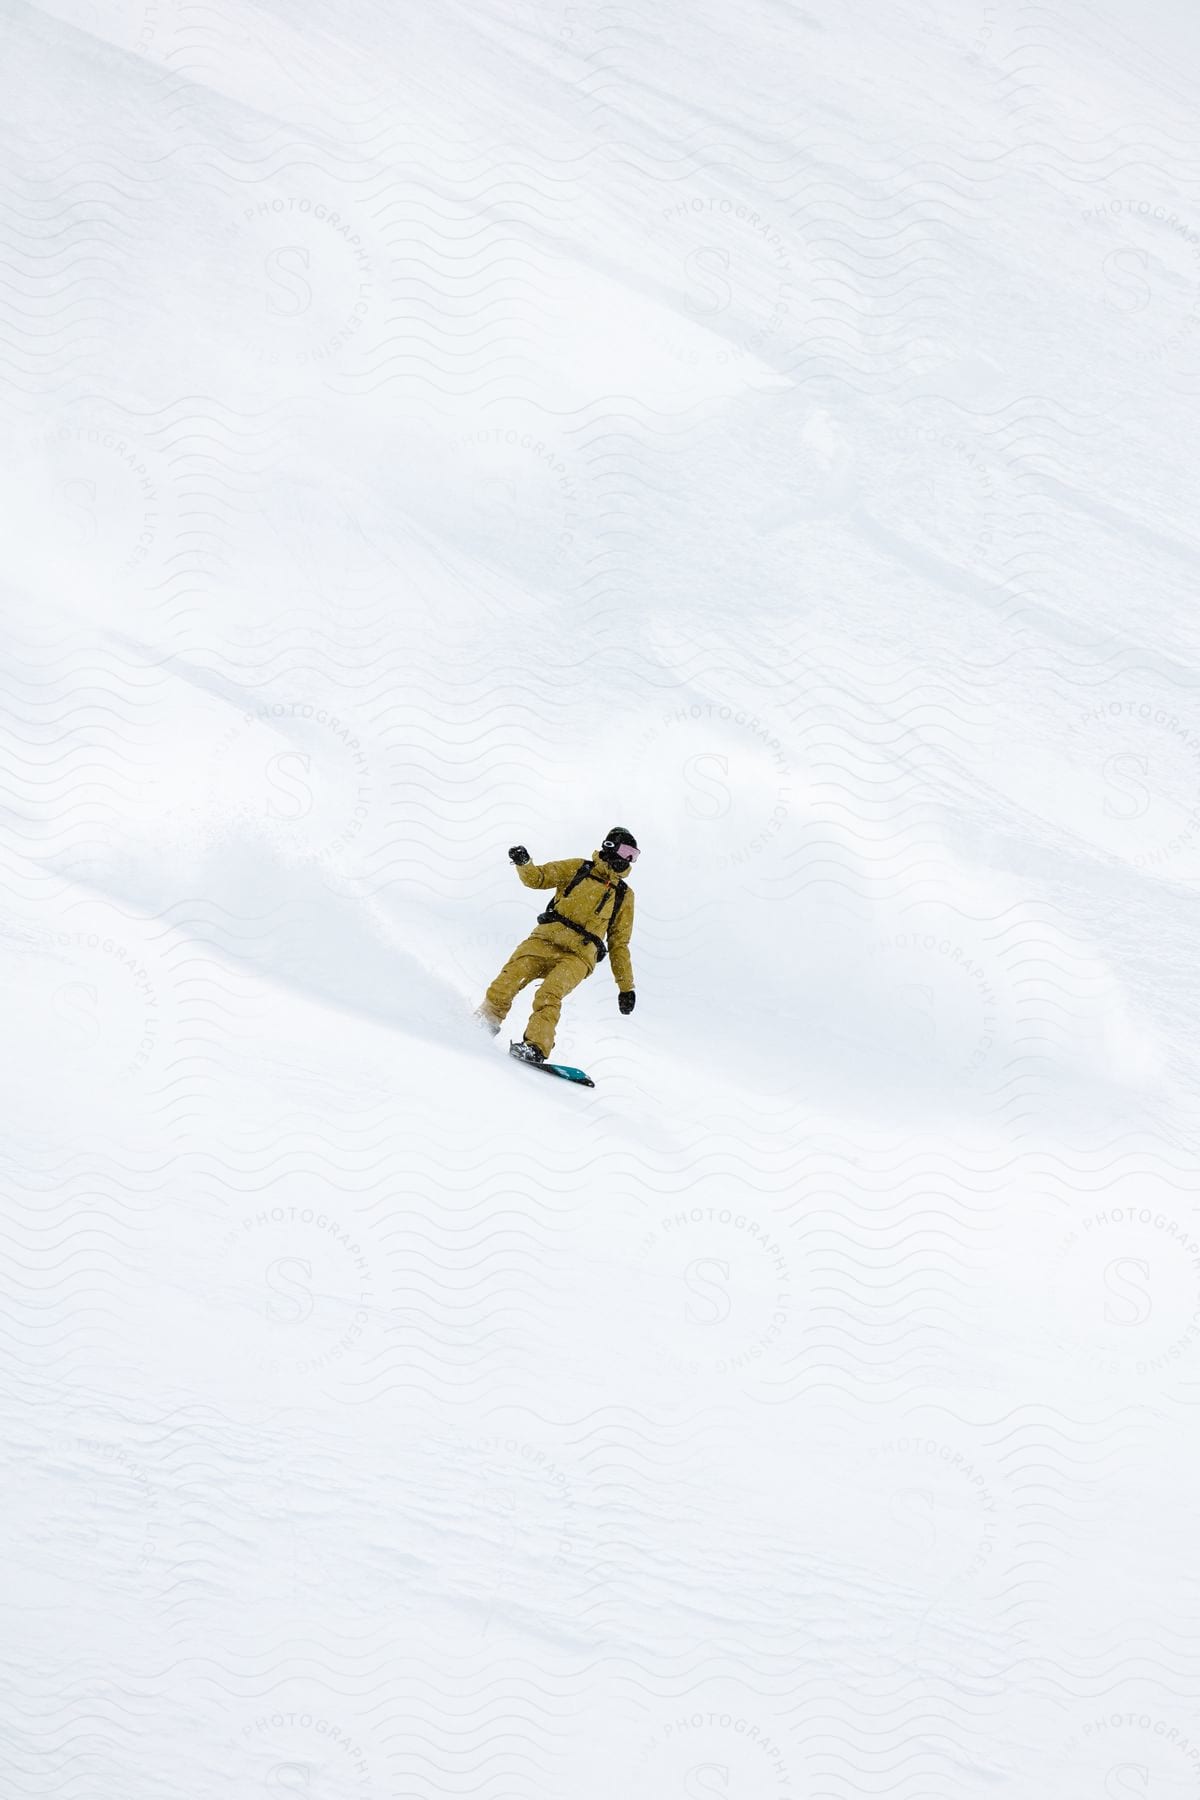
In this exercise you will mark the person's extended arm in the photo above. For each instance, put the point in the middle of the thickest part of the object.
(540, 875)
(619, 935)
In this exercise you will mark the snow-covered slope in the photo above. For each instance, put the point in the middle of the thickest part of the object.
(430, 430)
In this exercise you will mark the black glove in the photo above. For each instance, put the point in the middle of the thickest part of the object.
(518, 854)
(627, 1001)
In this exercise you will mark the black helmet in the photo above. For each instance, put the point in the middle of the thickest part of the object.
(608, 849)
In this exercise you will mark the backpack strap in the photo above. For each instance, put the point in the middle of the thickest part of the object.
(581, 874)
(618, 903)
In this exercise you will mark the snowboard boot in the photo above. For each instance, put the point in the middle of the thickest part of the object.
(526, 1052)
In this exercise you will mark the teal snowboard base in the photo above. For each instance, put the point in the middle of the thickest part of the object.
(563, 1070)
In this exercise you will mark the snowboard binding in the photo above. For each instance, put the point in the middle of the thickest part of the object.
(532, 1056)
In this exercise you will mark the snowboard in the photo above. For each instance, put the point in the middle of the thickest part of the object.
(561, 1069)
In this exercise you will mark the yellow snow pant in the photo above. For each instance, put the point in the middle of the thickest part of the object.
(558, 971)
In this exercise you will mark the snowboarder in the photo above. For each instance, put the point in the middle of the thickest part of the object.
(590, 915)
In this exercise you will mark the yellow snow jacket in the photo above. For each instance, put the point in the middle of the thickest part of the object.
(589, 906)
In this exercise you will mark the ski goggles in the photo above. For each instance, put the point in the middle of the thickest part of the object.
(628, 851)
